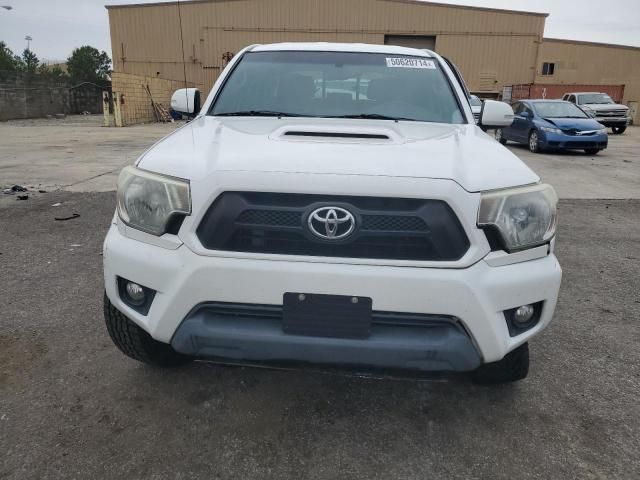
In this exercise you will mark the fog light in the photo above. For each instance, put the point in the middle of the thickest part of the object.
(523, 314)
(136, 296)
(523, 318)
(136, 293)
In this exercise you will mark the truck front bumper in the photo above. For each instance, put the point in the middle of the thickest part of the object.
(572, 142)
(613, 121)
(468, 303)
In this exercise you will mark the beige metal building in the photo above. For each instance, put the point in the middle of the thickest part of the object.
(593, 64)
(492, 48)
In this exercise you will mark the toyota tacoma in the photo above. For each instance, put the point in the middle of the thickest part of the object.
(333, 205)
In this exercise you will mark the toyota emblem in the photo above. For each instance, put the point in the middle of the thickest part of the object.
(331, 223)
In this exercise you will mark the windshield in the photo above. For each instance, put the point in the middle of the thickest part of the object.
(594, 98)
(338, 84)
(475, 101)
(558, 110)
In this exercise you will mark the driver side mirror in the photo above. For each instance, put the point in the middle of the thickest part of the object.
(495, 115)
(186, 101)
(524, 114)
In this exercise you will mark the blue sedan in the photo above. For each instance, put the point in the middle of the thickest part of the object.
(553, 124)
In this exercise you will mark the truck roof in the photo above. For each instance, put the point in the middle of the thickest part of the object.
(342, 47)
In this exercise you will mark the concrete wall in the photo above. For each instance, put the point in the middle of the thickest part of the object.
(39, 98)
(136, 104)
(491, 47)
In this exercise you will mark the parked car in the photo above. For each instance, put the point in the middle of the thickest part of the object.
(602, 107)
(553, 124)
(386, 232)
(476, 106)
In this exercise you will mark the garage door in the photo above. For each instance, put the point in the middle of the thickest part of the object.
(413, 41)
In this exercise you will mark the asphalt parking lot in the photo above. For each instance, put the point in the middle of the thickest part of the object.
(72, 406)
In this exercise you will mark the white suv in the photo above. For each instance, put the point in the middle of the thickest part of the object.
(333, 204)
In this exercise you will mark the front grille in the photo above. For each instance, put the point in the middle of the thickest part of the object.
(581, 133)
(386, 228)
(611, 113)
(269, 217)
(247, 311)
(388, 223)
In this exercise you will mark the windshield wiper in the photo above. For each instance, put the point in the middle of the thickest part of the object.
(374, 116)
(259, 113)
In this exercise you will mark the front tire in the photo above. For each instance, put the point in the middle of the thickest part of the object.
(534, 142)
(138, 344)
(618, 130)
(591, 151)
(499, 137)
(513, 367)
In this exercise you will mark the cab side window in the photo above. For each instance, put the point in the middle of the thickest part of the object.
(572, 98)
(517, 108)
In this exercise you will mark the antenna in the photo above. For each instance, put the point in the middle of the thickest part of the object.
(184, 63)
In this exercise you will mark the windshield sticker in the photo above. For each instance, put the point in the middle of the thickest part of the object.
(403, 62)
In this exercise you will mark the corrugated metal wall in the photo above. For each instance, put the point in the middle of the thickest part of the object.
(492, 48)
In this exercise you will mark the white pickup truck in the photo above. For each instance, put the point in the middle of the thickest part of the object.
(602, 108)
(333, 204)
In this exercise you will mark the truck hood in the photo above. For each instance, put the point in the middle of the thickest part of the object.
(596, 107)
(462, 153)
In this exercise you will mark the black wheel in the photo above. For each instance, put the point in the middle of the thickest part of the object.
(138, 344)
(618, 130)
(591, 151)
(534, 142)
(513, 367)
(499, 137)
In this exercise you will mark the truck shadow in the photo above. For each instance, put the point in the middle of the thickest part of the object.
(519, 147)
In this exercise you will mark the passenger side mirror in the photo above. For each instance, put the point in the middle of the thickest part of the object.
(495, 115)
(524, 114)
(186, 101)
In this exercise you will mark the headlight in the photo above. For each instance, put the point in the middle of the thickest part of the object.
(588, 111)
(602, 131)
(524, 217)
(550, 130)
(148, 201)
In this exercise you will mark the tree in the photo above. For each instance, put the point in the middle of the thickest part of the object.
(30, 62)
(51, 72)
(87, 64)
(9, 63)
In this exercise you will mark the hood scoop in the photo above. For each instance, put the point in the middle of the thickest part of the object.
(336, 134)
(366, 136)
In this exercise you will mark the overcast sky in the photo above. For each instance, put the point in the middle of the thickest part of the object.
(58, 26)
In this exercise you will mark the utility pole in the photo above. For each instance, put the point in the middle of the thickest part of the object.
(28, 39)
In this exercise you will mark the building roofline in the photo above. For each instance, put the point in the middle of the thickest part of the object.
(162, 4)
(469, 7)
(414, 2)
(593, 44)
